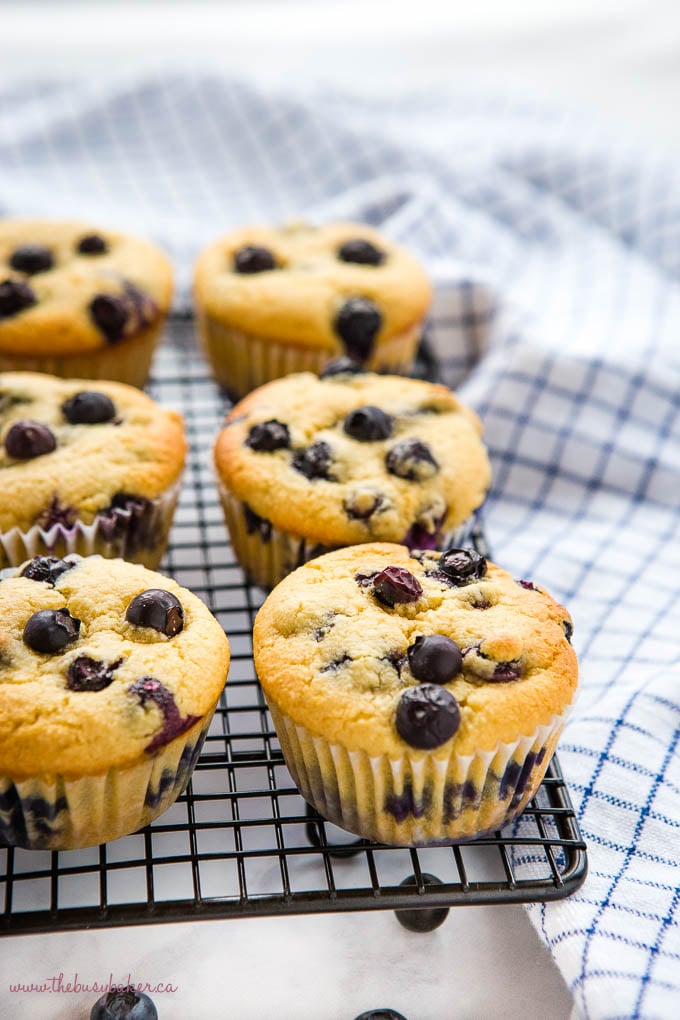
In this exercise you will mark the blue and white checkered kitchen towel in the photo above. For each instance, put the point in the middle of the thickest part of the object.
(557, 257)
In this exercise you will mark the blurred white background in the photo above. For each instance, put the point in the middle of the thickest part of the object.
(620, 59)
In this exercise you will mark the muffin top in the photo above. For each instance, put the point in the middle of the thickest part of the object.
(353, 456)
(70, 448)
(392, 653)
(67, 288)
(101, 662)
(343, 287)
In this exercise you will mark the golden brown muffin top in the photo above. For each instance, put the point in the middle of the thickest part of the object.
(355, 457)
(338, 653)
(116, 690)
(55, 460)
(299, 283)
(68, 287)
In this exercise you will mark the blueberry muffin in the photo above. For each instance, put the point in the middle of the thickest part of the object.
(417, 697)
(110, 676)
(271, 301)
(79, 301)
(85, 468)
(308, 464)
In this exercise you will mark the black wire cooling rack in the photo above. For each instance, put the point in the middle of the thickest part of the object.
(241, 841)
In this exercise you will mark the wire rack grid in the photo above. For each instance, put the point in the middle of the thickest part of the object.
(241, 841)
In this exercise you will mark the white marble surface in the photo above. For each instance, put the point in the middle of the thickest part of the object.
(483, 962)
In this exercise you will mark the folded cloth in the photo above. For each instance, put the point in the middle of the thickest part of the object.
(556, 255)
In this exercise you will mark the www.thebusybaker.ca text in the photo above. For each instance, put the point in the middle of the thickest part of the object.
(58, 984)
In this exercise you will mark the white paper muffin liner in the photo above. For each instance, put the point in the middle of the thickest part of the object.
(128, 361)
(243, 361)
(100, 536)
(267, 554)
(56, 812)
(420, 800)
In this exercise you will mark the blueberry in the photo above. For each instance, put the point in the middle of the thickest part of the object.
(568, 628)
(435, 659)
(28, 439)
(504, 672)
(529, 585)
(341, 366)
(362, 252)
(150, 689)
(411, 459)
(314, 461)
(15, 297)
(268, 435)
(396, 584)
(110, 313)
(158, 609)
(46, 568)
(381, 1014)
(462, 566)
(427, 716)
(88, 407)
(31, 259)
(50, 630)
(86, 674)
(124, 1004)
(56, 513)
(253, 259)
(362, 504)
(357, 324)
(92, 244)
(368, 424)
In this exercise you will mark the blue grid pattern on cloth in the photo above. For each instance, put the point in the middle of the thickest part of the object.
(556, 253)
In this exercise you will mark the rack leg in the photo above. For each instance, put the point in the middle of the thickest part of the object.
(422, 919)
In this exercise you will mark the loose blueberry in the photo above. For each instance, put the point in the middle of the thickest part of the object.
(31, 259)
(357, 324)
(314, 461)
(462, 566)
(341, 366)
(362, 252)
(124, 1004)
(368, 424)
(268, 435)
(158, 609)
(50, 630)
(110, 313)
(381, 1014)
(253, 259)
(88, 408)
(568, 628)
(46, 568)
(28, 439)
(92, 244)
(411, 459)
(396, 585)
(15, 297)
(86, 674)
(427, 716)
(435, 659)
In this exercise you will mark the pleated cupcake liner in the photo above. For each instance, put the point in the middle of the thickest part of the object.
(104, 536)
(128, 361)
(267, 554)
(243, 361)
(418, 800)
(57, 812)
